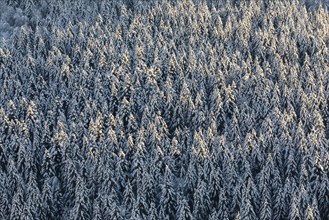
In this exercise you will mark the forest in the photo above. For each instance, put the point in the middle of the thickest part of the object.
(164, 109)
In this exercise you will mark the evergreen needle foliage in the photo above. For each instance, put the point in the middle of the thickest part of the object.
(164, 109)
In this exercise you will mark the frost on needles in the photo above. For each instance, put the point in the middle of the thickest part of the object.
(164, 109)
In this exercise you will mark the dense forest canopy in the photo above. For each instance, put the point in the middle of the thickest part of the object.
(165, 109)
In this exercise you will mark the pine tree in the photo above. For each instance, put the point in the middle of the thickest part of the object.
(168, 195)
(315, 209)
(4, 200)
(294, 211)
(164, 109)
(183, 210)
(265, 209)
(17, 211)
(81, 208)
(33, 198)
(152, 212)
(247, 209)
(109, 205)
(128, 197)
(96, 214)
(200, 201)
(47, 201)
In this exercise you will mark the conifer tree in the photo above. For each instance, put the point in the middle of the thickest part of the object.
(164, 109)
